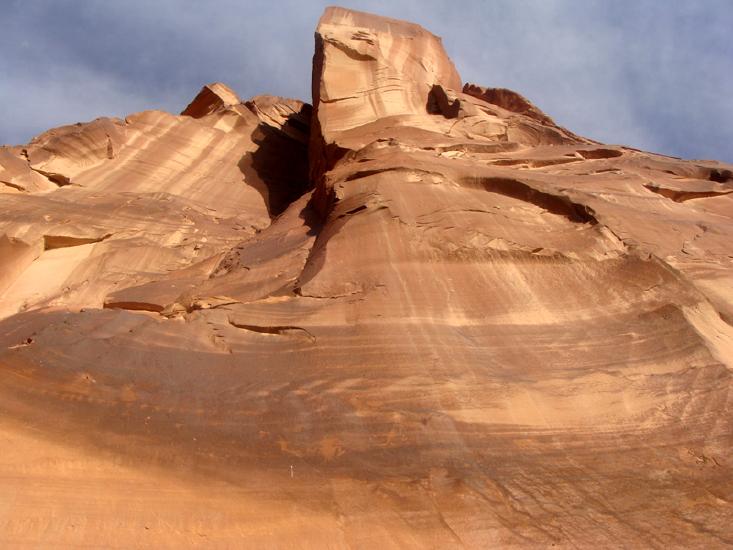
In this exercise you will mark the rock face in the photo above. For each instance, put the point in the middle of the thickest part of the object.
(210, 99)
(419, 314)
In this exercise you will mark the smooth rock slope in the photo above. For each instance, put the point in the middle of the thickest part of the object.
(416, 314)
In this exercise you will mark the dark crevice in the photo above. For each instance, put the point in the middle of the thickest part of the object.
(595, 154)
(278, 169)
(720, 176)
(555, 204)
(440, 104)
(682, 196)
(355, 210)
(134, 306)
(51, 242)
(280, 330)
(53, 177)
(366, 173)
(350, 52)
(13, 185)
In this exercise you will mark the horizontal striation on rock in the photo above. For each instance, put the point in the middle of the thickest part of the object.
(416, 314)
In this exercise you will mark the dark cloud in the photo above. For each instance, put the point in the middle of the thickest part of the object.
(654, 75)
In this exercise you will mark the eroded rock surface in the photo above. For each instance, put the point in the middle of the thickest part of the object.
(419, 314)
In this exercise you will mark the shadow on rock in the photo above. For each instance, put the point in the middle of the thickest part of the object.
(278, 169)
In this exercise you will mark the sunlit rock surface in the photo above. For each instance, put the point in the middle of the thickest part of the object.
(419, 314)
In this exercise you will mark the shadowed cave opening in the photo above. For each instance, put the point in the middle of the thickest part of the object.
(279, 168)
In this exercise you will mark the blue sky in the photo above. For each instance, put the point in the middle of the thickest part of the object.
(652, 74)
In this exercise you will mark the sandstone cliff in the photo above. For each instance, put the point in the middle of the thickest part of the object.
(416, 314)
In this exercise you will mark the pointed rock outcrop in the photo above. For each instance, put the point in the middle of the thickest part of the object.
(367, 68)
(211, 98)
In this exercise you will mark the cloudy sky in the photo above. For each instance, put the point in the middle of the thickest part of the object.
(653, 74)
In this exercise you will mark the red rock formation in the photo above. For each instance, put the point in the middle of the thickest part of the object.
(212, 98)
(469, 328)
